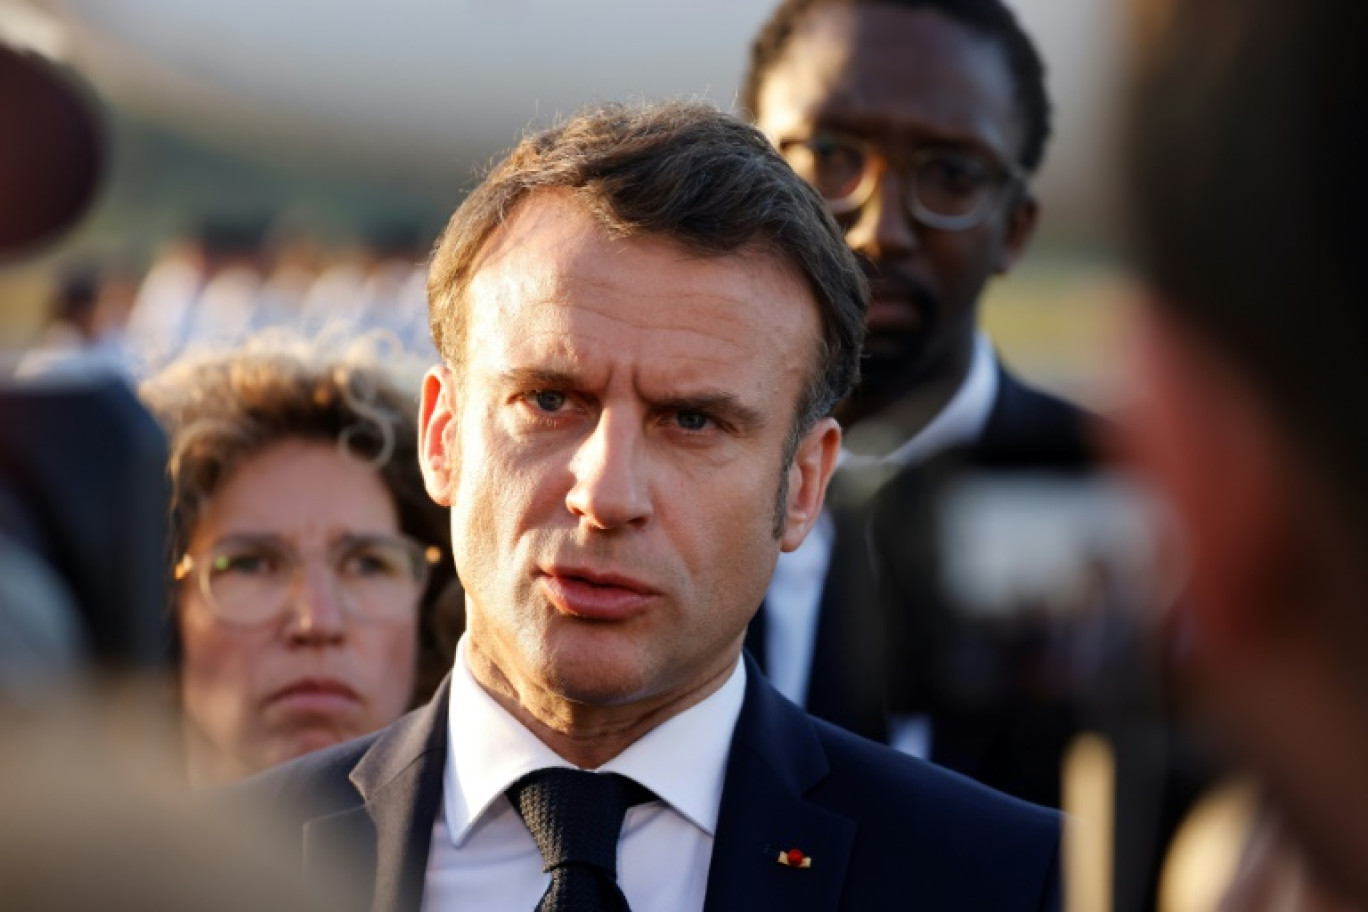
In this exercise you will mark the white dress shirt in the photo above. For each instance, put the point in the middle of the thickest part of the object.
(483, 856)
(794, 599)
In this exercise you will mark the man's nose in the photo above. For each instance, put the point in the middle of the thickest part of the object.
(610, 489)
(882, 229)
(317, 612)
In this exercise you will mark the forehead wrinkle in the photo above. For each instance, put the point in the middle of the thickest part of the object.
(681, 379)
(572, 318)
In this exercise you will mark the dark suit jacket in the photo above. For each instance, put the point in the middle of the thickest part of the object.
(854, 675)
(884, 831)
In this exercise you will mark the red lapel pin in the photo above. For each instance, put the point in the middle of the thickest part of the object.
(794, 858)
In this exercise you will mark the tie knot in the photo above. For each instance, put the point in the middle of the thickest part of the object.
(575, 816)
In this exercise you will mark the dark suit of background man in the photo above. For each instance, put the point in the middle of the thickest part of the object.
(646, 319)
(920, 121)
(1247, 148)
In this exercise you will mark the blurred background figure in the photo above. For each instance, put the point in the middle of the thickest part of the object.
(381, 286)
(307, 557)
(86, 320)
(159, 321)
(1250, 378)
(235, 276)
(88, 310)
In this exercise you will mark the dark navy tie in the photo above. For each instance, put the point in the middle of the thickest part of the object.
(575, 817)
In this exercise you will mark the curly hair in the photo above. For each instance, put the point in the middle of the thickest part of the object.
(220, 409)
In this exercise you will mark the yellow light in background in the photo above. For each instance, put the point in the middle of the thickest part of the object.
(1090, 808)
(1206, 851)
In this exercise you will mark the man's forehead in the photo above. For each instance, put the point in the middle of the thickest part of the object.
(884, 68)
(551, 249)
(555, 280)
(567, 323)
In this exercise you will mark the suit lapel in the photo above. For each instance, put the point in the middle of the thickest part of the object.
(775, 760)
(846, 685)
(400, 779)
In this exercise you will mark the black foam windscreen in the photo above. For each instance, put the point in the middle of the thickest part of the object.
(51, 150)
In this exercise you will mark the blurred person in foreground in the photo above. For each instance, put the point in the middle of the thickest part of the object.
(920, 122)
(307, 556)
(1251, 357)
(646, 319)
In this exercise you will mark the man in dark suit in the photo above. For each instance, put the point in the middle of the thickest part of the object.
(920, 122)
(646, 320)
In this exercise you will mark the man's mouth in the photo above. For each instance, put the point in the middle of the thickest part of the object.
(596, 594)
(896, 314)
(898, 307)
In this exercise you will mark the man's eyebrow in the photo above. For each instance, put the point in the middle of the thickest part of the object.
(720, 404)
(724, 406)
(538, 378)
(872, 128)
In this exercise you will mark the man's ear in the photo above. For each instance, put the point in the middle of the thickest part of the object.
(436, 429)
(812, 466)
(1021, 225)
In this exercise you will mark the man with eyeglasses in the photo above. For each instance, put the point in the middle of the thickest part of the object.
(920, 122)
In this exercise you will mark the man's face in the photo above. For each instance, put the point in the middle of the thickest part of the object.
(612, 451)
(902, 81)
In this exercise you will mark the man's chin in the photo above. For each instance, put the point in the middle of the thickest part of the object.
(599, 687)
(601, 677)
(892, 364)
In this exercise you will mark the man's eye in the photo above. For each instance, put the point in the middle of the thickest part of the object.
(548, 400)
(835, 167)
(955, 174)
(692, 421)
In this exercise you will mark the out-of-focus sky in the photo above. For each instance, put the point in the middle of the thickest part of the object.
(427, 88)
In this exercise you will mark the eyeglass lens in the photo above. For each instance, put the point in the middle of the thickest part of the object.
(944, 183)
(251, 579)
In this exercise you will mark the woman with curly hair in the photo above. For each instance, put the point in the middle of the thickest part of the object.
(308, 563)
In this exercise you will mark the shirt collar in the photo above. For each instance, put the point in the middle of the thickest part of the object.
(683, 760)
(964, 416)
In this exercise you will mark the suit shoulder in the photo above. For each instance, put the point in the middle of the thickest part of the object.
(309, 786)
(904, 782)
(980, 839)
(1028, 425)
